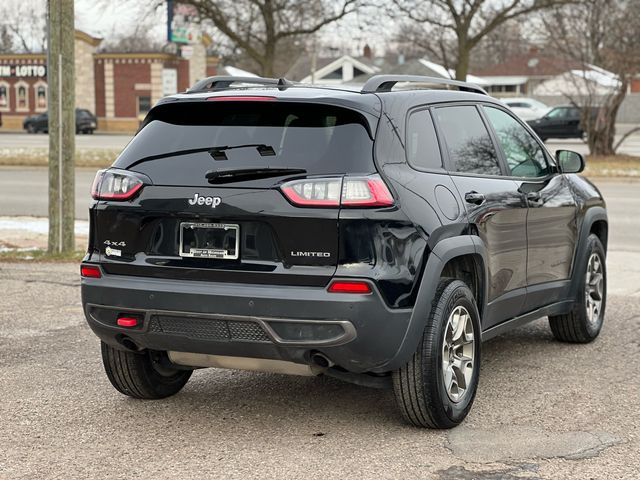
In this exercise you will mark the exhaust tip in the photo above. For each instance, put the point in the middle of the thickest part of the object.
(129, 344)
(321, 360)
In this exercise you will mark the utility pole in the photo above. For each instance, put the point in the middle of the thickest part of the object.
(62, 124)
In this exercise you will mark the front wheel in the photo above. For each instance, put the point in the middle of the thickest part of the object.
(436, 388)
(584, 322)
(142, 375)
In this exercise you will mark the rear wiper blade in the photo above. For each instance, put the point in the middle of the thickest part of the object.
(243, 174)
(218, 153)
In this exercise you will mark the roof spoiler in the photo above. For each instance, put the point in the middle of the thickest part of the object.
(385, 83)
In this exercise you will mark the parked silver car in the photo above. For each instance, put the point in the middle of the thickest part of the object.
(526, 108)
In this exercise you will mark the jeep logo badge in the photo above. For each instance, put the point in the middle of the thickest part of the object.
(198, 199)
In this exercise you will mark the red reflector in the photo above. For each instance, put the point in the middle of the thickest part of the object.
(90, 271)
(242, 99)
(127, 322)
(349, 287)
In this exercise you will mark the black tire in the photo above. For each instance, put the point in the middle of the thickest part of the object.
(419, 386)
(576, 327)
(141, 375)
(31, 129)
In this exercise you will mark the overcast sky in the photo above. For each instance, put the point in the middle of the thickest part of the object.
(108, 19)
(114, 19)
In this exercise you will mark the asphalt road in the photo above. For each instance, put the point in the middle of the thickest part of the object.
(118, 141)
(543, 410)
(40, 140)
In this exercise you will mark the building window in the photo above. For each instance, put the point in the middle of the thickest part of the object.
(41, 97)
(22, 97)
(144, 104)
(4, 96)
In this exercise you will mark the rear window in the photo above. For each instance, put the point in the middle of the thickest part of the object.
(471, 149)
(321, 139)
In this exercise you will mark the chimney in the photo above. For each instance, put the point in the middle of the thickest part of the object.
(366, 52)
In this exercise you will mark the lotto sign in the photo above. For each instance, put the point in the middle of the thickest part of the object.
(23, 71)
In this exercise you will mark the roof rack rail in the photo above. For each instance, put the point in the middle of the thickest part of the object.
(222, 82)
(384, 83)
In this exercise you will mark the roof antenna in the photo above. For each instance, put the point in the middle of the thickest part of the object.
(283, 83)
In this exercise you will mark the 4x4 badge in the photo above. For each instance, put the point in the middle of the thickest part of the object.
(198, 199)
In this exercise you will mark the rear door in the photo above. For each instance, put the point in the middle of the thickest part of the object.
(185, 213)
(494, 206)
(551, 220)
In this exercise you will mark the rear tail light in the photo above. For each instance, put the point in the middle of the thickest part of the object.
(115, 185)
(368, 191)
(90, 271)
(349, 286)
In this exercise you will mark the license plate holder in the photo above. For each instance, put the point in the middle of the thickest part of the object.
(210, 240)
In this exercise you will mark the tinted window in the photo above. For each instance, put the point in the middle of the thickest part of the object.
(524, 154)
(422, 143)
(318, 138)
(558, 113)
(468, 142)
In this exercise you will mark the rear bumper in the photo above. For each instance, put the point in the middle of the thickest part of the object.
(357, 332)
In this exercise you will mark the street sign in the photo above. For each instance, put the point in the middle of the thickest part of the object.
(169, 81)
(186, 52)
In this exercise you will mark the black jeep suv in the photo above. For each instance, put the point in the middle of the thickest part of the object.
(377, 236)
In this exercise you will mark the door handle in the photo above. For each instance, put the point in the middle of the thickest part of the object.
(474, 197)
(533, 196)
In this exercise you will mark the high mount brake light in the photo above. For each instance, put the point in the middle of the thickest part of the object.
(368, 191)
(245, 98)
(116, 185)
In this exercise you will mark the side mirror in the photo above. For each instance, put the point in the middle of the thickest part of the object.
(570, 162)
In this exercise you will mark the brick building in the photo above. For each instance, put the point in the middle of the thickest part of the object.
(118, 87)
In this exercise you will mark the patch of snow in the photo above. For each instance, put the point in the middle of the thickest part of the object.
(38, 225)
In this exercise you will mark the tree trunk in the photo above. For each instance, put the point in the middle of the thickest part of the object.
(601, 132)
(62, 126)
(464, 55)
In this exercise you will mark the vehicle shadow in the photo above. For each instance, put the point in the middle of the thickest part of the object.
(218, 396)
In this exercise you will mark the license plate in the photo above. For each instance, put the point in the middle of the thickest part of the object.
(210, 240)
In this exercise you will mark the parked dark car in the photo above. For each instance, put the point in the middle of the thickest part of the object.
(560, 122)
(86, 122)
(376, 236)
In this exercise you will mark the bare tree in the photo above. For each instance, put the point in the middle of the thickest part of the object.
(260, 28)
(6, 40)
(465, 23)
(603, 33)
(22, 26)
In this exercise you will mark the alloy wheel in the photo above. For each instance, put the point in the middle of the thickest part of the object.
(594, 288)
(458, 354)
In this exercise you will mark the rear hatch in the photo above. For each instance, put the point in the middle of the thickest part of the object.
(212, 206)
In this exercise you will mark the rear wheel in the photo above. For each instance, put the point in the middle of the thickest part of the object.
(436, 388)
(584, 322)
(142, 375)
